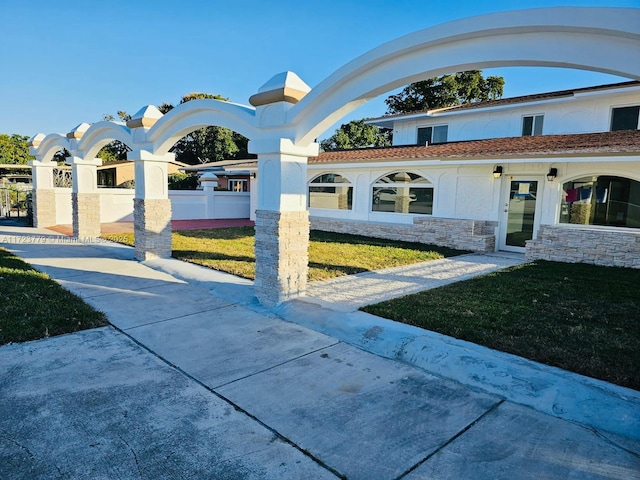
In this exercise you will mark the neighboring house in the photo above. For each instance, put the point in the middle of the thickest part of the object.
(233, 181)
(556, 175)
(122, 173)
(12, 174)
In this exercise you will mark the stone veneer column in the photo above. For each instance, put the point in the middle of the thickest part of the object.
(85, 199)
(152, 228)
(282, 255)
(282, 220)
(151, 205)
(43, 199)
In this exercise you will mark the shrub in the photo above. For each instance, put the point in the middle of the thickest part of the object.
(183, 181)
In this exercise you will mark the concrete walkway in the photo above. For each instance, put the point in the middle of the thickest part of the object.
(355, 291)
(196, 380)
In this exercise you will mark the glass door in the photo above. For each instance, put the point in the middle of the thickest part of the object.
(519, 214)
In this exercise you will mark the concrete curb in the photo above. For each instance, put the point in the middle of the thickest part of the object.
(550, 390)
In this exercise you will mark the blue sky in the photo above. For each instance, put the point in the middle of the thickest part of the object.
(66, 62)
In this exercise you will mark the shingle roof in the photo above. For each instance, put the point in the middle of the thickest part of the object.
(543, 145)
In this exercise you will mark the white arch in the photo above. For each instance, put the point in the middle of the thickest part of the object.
(428, 178)
(195, 114)
(50, 145)
(597, 39)
(335, 171)
(615, 172)
(100, 134)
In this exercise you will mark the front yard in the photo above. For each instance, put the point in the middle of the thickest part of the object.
(578, 317)
(231, 250)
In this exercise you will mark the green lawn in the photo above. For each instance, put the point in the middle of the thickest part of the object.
(231, 250)
(33, 306)
(578, 317)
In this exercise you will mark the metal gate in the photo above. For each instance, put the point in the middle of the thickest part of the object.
(15, 201)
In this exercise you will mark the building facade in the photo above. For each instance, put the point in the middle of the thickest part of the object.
(554, 175)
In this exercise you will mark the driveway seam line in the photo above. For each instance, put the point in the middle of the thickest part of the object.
(278, 365)
(452, 439)
(178, 317)
(237, 407)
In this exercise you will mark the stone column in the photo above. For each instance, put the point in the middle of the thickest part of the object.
(85, 199)
(151, 205)
(43, 199)
(282, 220)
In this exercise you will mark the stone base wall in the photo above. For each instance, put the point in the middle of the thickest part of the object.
(611, 248)
(282, 255)
(86, 215)
(44, 207)
(152, 228)
(474, 235)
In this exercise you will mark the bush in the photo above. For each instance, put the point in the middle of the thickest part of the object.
(183, 181)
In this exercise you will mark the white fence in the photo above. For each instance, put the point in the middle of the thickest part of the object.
(116, 205)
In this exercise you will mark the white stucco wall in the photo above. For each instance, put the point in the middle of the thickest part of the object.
(583, 113)
(116, 205)
(63, 206)
(469, 191)
(459, 192)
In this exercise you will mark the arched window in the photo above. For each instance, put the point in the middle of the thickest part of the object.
(330, 190)
(601, 200)
(402, 192)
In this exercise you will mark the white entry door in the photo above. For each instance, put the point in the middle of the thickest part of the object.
(519, 220)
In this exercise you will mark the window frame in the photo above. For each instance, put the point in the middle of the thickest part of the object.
(432, 134)
(378, 185)
(534, 124)
(621, 107)
(600, 199)
(348, 183)
(242, 181)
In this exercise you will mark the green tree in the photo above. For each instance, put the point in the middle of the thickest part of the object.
(14, 149)
(208, 144)
(114, 151)
(446, 91)
(357, 134)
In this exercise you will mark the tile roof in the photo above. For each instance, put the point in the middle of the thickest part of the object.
(543, 145)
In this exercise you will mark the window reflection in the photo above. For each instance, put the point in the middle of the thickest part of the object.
(601, 200)
(331, 191)
(402, 192)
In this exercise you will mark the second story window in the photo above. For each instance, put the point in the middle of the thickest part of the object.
(625, 118)
(532, 125)
(435, 134)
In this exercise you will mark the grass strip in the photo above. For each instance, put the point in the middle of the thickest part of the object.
(32, 306)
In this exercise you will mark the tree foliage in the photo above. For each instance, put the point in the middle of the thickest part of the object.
(207, 144)
(14, 149)
(114, 151)
(356, 134)
(446, 91)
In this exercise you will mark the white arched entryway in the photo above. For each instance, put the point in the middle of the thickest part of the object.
(287, 115)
